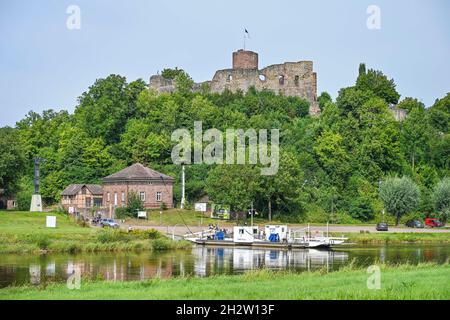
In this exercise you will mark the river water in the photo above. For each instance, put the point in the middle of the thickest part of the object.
(201, 262)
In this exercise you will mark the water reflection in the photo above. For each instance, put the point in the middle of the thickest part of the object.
(237, 260)
(200, 261)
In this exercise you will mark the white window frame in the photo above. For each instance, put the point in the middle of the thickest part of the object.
(142, 196)
(123, 196)
(116, 199)
(108, 197)
(158, 196)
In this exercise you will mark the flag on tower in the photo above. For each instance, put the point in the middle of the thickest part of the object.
(246, 33)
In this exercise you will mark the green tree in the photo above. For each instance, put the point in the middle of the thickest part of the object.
(400, 196)
(333, 156)
(104, 109)
(410, 104)
(183, 83)
(12, 160)
(376, 149)
(361, 209)
(416, 136)
(362, 69)
(283, 189)
(324, 99)
(234, 185)
(169, 73)
(441, 152)
(379, 84)
(440, 114)
(441, 199)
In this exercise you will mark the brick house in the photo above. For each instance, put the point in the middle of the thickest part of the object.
(153, 188)
(82, 197)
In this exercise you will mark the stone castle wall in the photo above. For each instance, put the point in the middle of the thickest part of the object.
(291, 79)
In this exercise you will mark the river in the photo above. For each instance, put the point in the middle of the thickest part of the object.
(17, 269)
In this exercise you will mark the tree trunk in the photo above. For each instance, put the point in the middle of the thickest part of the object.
(270, 209)
(398, 220)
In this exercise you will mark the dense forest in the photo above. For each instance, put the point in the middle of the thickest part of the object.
(331, 166)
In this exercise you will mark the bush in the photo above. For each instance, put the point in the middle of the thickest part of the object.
(122, 213)
(153, 234)
(160, 244)
(345, 218)
(361, 209)
(23, 196)
(134, 204)
(41, 240)
(111, 235)
(145, 234)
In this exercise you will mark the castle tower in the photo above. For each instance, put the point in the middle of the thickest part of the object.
(245, 60)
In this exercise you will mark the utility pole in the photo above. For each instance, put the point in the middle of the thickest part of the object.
(252, 215)
(183, 199)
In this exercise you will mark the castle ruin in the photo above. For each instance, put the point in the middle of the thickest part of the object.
(290, 78)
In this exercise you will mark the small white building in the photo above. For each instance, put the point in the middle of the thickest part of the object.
(244, 234)
(281, 231)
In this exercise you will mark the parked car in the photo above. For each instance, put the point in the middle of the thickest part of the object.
(433, 223)
(108, 223)
(415, 224)
(382, 226)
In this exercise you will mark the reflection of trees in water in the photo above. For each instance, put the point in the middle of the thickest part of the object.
(200, 261)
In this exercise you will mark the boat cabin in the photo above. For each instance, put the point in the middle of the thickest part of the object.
(276, 233)
(245, 234)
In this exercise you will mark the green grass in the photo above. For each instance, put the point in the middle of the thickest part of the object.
(173, 217)
(25, 232)
(396, 238)
(425, 281)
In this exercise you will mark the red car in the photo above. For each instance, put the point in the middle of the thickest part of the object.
(433, 223)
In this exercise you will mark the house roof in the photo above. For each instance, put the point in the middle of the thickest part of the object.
(73, 189)
(137, 172)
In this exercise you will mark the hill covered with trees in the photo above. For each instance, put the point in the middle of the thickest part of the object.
(331, 167)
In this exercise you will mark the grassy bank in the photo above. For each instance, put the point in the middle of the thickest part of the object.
(425, 281)
(25, 232)
(396, 238)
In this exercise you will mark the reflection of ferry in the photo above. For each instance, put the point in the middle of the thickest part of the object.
(248, 258)
(270, 237)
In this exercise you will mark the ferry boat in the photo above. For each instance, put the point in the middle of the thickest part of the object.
(275, 236)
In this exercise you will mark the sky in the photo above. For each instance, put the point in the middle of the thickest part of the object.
(46, 65)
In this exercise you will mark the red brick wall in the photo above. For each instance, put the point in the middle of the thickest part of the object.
(245, 60)
(149, 189)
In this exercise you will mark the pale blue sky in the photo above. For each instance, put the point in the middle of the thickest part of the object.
(44, 65)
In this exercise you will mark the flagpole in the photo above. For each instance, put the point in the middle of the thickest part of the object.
(244, 39)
